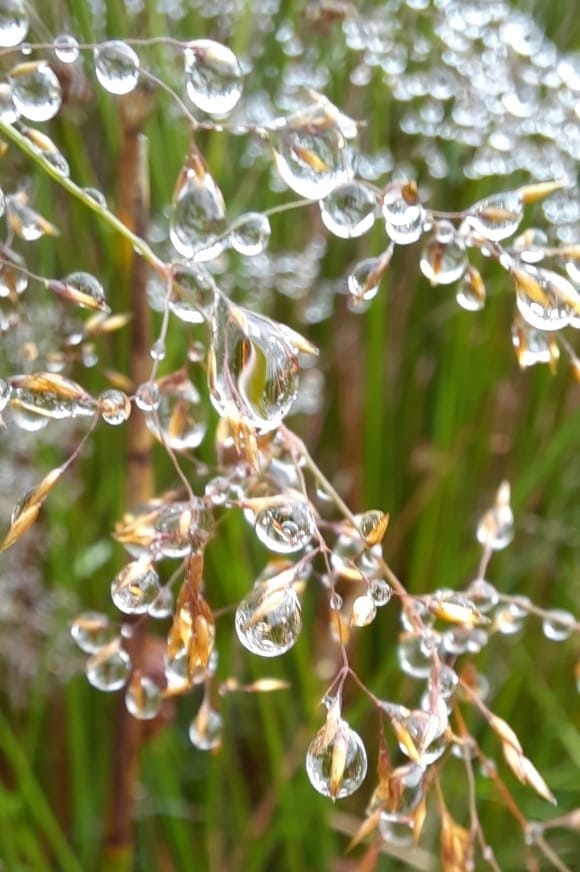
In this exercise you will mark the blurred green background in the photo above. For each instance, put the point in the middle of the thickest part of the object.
(423, 412)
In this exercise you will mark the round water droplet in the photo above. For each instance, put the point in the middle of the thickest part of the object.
(558, 625)
(198, 222)
(545, 300)
(483, 594)
(181, 528)
(349, 210)
(88, 292)
(213, 76)
(363, 281)
(396, 830)
(269, 619)
(250, 234)
(147, 396)
(443, 259)
(180, 419)
(286, 528)
(93, 631)
(312, 153)
(496, 528)
(253, 368)
(13, 22)
(110, 672)
(364, 611)
(415, 658)
(143, 698)
(35, 91)
(158, 350)
(206, 729)
(177, 671)
(380, 592)
(27, 420)
(403, 213)
(116, 67)
(114, 407)
(446, 683)
(496, 217)
(193, 293)
(66, 48)
(336, 766)
(162, 605)
(135, 587)
(509, 620)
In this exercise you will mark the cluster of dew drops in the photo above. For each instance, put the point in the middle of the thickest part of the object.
(253, 370)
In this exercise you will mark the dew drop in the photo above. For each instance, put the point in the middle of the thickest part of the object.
(109, 670)
(471, 291)
(135, 587)
(253, 368)
(380, 592)
(116, 67)
(396, 829)
(143, 697)
(8, 111)
(364, 611)
(198, 223)
(349, 210)
(13, 23)
(496, 528)
(36, 91)
(545, 300)
(446, 683)
(311, 151)
(88, 292)
(443, 259)
(49, 395)
(363, 282)
(509, 620)
(213, 76)
(114, 407)
(66, 48)
(147, 396)
(194, 293)
(97, 196)
(178, 673)
(558, 625)
(285, 528)
(92, 631)
(336, 761)
(335, 601)
(180, 419)
(496, 217)
(181, 528)
(484, 594)
(206, 729)
(162, 605)
(269, 618)
(250, 234)
(403, 213)
(415, 659)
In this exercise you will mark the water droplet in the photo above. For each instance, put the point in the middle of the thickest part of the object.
(114, 407)
(545, 300)
(206, 729)
(143, 697)
(335, 601)
(35, 91)
(13, 23)
(403, 213)
(443, 259)
(109, 669)
(364, 611)
(194, 293)
(66, 48)
(497, 217)
(180, 419)
(93, 631)
(509, 620)
(380, 592)
(484, 594)
(496, 528)
(178, 673)
(558, 625)
(250, 234)
(269, 618)
(396, 830)
(285, 528)
(213, 76)
(349, 210)
(147, 396)
(533, 346)
(49, 395)
(471, 291)
(427, 732)
(87, 291)
(415, 658)
(158, 350)
(97, 196)
(198, 222)
(181, 528)
(135, 587)
(446, 683)
(336, 760)
(116, 67)
(8, 111)
(363, 281)
(253, 368)
(311, 151)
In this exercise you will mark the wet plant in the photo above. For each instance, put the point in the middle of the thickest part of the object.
(206, 359)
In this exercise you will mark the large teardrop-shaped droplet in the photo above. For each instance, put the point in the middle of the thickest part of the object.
(545, 300)
(35, 91)
(250, 234)
(180, 418)
(269, 618)
(253, 368)
(117, 67)
(444, 258)
(336, 760)
(13, 23)
(213, 76)
(285, 528)
(312, 151)
(143, 698)
(198, 223)
(135, 587)
(109, 668)
(403, 213)
(193, 293)
(93, 631)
